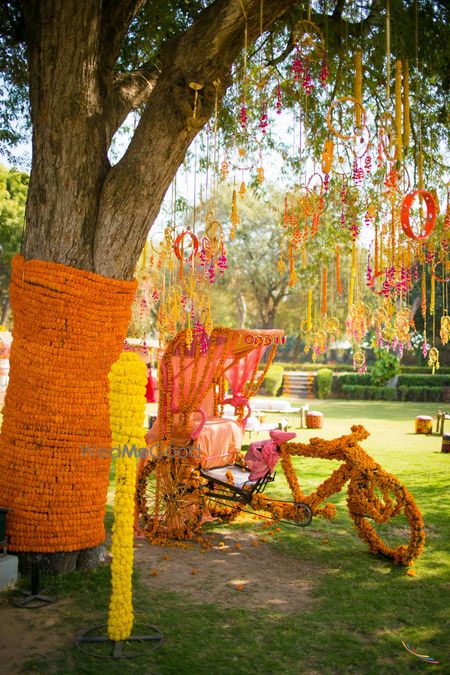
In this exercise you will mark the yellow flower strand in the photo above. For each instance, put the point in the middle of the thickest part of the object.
(351, 289)
(398, 110)
(235, 220)
(127, 378)
(358, 87)
(406, 120)
(309, 310)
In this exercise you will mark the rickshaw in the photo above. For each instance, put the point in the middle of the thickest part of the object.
(194, 470)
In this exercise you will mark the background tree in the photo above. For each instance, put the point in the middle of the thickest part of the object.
(253, 280)
(13, 194)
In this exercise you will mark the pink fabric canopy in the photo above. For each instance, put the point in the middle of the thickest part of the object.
(189, 375)
(238, 373)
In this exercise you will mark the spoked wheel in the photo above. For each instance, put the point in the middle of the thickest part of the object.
(295, 513)
(386, 516)
(168, 498)
(302, 515)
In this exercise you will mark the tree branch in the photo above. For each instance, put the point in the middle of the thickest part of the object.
(135, 187)
(127, 91)
(116, 17)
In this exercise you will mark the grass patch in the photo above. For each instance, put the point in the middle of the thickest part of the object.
(364, 605)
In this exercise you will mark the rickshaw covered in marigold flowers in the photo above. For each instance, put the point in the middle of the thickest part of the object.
(196, 471)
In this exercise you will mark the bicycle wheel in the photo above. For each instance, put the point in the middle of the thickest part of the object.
(168, 499)
(386, 516)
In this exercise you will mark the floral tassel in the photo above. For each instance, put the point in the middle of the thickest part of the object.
(351, 289)
(406, 120)
(338, 271)
(235, 220)
(358, 87)
(398, 110)
(324, 290)
(309, 311)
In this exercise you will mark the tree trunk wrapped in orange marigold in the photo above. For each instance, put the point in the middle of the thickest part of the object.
(69, 327)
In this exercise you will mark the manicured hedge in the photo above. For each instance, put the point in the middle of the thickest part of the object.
(420, 393)
(273, 380)
(324, 381)
(428, 380)
(307, 367)
(354, 378)
(371, 393)
(443, 370)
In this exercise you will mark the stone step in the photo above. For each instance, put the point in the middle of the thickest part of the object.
(298, 384)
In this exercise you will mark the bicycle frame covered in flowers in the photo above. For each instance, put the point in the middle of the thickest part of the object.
(176, 495)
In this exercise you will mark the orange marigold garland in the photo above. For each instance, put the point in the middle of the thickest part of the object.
(69, 327)
(374, 496)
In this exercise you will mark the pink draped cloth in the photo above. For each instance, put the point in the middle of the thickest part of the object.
(238, 374)
(261, 457)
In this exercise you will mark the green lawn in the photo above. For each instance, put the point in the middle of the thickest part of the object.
(364, 606)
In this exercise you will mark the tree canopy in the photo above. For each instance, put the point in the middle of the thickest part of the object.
(143, 34)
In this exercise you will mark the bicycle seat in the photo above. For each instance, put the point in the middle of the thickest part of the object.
(282, 436)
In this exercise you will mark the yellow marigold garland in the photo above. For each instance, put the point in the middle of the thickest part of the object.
(128, 378)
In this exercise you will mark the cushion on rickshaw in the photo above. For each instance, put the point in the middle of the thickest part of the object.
(217, 444)
(240, 477)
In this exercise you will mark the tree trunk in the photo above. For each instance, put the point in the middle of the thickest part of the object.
(87, 215)
(242, 310)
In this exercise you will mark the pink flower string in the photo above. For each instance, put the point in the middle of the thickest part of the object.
(297, 66)
(222, 263)
(358, 172)
(211, 272)
(370, 280)
(354, 229)
(307, 83)
(324, 73)
(243, 117)
(278, 103)
(264, 119)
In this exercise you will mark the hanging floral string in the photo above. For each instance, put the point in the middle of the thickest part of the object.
(127, 379)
